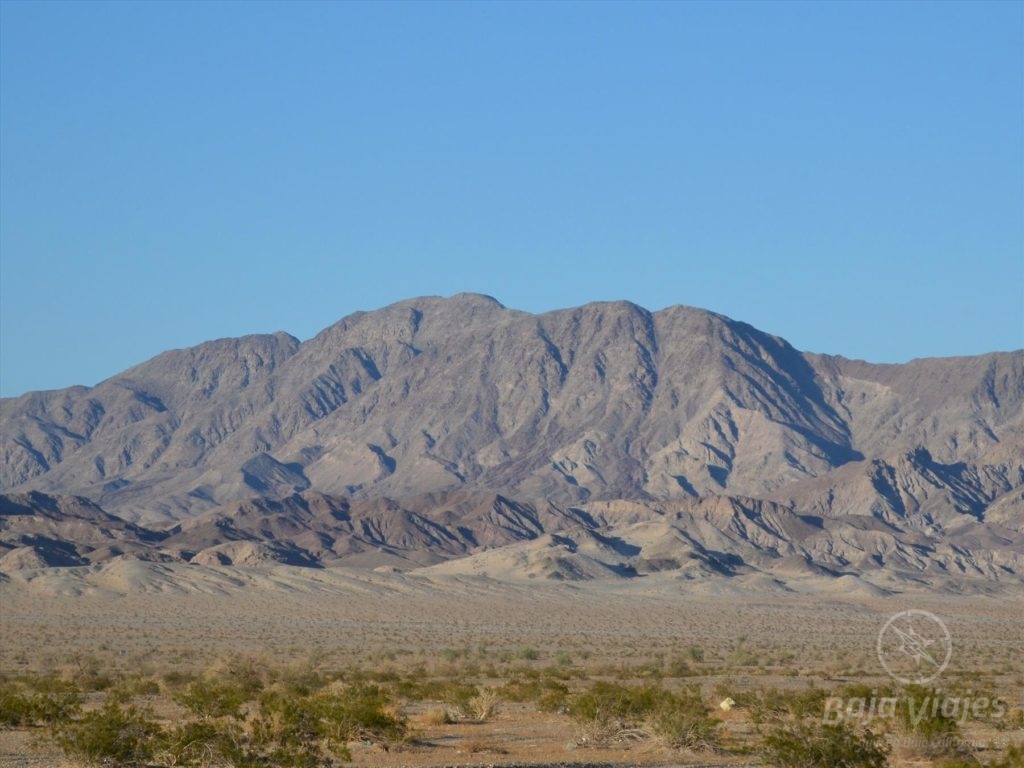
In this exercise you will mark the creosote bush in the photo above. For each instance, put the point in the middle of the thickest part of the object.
(204, 743)
(44, 701)
(114, 733)
(246, 715)
(292, 730)
(814, 745)
(682, 721)
(611, 711)
(225, 726)
(213, 699)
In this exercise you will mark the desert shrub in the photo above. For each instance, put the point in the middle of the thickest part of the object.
(809, 702)
(177, 678)
(866, 692)
(459, 696)
(1014, 758)
(212, 699)
(244, 672)
(522, 689)
(744, 657)
(813, 745)
(936, 733)
(647, 671)
(292, 730)
(48, 701)
(366, 712)
(482, 706)
(678, 667)
(15, 707)
(549, 694)
(682, 721)
(774, 705)
(554, 699)
(437, 716)
(482, 746)
(454, 654)
(305, 679)
(145, 687)
(87, 673)
(114, 733)
(609, 710)
(612, 701)
(450, 692)
(1014, 721)
(125, 689)
(203, 743)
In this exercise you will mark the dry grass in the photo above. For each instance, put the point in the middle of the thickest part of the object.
(434, 717)
(483, 705)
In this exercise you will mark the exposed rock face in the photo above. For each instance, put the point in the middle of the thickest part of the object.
(448, 405)
(38, 530)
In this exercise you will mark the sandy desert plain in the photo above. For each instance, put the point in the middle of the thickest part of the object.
(486, 672)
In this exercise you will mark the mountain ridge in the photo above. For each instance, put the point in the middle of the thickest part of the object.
(562, 410)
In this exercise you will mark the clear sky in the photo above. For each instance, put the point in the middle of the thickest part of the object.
(848, 176)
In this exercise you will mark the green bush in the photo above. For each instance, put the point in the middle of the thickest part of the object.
(204, 743)
(683, 721)
(306, 731)
(554, 699)
(16, 708)
(813, 745)
(213, 699)
(610, 708)
(114, 733)
(937, 733)
(52, 701)
(613, 701)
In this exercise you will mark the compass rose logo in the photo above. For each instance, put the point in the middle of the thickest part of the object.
(914, 646)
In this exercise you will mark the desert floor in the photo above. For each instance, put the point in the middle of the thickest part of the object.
(138, 618)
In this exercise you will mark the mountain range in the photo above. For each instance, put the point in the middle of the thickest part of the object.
(604, 441)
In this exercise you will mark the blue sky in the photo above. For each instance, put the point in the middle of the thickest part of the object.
(847, 175)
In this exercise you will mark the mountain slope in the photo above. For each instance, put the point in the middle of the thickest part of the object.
(436, 429)
(600, 402)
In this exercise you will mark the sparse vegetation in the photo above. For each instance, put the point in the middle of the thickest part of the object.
(43, 701)
(242, 714)
(114, 733)
(467, 695)
(816, 745)
(610, 712)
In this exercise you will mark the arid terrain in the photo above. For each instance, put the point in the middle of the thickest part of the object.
(728, 637)
(450, 533)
